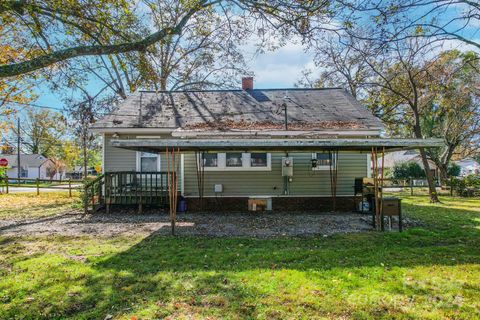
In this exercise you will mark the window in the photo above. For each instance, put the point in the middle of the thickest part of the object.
(210, 160)
(258, 160)
(322, 160)
(148, 162)
(23, 172)
(234, 159)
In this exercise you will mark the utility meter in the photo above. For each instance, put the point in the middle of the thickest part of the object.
(287, 166)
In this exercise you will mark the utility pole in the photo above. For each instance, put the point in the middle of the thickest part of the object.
(18, 149)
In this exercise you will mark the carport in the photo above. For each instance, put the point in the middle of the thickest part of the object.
(172, 148)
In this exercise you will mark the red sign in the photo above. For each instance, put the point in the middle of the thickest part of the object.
(3, 162)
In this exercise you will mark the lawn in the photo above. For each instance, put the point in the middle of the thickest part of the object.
(29, 205)
(428, 272)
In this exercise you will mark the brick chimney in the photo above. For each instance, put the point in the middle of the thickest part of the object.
(247, 83)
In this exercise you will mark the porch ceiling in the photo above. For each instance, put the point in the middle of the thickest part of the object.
(159, 145)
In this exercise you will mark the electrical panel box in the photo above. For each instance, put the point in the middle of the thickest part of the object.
(218, 188)
(287, 167)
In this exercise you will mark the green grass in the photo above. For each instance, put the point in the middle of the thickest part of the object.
(29, 205)
(428, 272)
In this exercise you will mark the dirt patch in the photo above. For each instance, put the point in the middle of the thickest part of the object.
(237, 225)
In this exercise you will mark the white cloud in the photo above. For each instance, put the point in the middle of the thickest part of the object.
(281, 68)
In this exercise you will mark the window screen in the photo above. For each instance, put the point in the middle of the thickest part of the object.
(148, 162)
(258, 160)
(210, 159)
(234, 159)
(323, 159)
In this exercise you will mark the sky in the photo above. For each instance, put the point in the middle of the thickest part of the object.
(274, 69)
(282, 68)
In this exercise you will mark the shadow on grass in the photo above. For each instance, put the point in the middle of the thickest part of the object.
(238, 277)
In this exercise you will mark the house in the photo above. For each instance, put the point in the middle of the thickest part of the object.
(294, 149)
(468, 166)
(398, 157)
(32, 166)
(77, 172)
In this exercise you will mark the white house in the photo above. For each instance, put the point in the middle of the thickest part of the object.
(468, 166)
(395, 158)
(32, 166)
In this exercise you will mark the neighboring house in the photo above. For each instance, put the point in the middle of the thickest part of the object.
(77, 172)
(468, 166)
(233, 145)
(32, 166)
(397, 157)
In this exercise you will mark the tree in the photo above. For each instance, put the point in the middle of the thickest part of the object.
(341, 64)
(42, 131)
(397, 20)
(205, 54)
(400, 95)
(454, 113)
(83, 115)
(53, 31)
(15, 91)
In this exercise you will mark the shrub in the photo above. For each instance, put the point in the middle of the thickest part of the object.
(407, 170)
(453, 170)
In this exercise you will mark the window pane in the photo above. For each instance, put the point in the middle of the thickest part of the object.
(234, 160)
(323, 159)
(23, 172)
(258, 160)
(148, 164)
(210, 160)
(147, 154)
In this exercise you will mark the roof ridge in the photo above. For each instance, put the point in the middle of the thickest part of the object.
(239, 90)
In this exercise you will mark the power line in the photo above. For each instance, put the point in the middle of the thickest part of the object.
(34, 105)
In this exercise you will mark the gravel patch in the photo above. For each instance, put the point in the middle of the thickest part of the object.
(261, 225)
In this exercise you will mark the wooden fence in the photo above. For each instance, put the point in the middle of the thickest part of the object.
(6, 184)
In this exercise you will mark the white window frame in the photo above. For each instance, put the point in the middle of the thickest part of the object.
(138, 161)
(314, 156)
(222, 163)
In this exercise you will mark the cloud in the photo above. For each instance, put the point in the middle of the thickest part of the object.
(281, 68)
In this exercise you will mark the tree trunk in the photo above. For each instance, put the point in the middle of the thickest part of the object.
(85, 161)
(432, 191)
(443, 173)
(431, 183)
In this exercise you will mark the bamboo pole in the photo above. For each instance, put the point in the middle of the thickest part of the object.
(381, 188)
(333, 156)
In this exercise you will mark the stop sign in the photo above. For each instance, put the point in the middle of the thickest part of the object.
(3, 162)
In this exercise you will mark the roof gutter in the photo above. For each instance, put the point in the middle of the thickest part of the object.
(362, 145)
(130, 130)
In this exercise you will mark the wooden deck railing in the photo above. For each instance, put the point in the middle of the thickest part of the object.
(127, 188)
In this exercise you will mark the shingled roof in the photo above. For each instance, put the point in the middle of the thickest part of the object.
(257, 109)
(29, 160)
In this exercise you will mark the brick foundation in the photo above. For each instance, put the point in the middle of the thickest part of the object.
(290, 204)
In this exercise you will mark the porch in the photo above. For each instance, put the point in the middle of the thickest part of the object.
(162, 188)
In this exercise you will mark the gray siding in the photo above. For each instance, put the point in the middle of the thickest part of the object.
(117, 159)
(305, 181)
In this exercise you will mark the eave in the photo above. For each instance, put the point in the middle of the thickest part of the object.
(360, 145)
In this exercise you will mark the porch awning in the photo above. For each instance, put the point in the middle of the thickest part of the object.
(160, 145)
